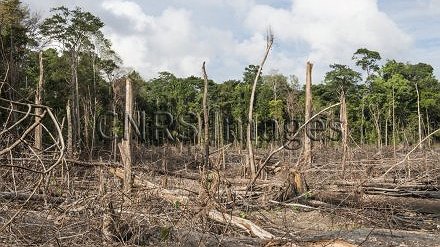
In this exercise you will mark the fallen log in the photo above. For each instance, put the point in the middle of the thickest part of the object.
(374, 237)
(158, 236)
(420, 205)
(34, 197)
(174, 197)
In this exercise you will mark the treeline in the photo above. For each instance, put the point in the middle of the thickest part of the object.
(388, 102)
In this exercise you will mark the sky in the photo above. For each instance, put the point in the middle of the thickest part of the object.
(177, 36)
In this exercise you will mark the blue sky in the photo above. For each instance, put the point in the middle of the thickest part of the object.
(177, 36)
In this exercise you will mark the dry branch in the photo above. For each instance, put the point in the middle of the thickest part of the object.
(409, 153)
(34, 197)
(287, 143)
(174, 197)
(420, 205)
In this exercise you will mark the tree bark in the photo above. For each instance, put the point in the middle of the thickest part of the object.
(38, 96)
(77, 106)
(394, 125)
(251, 159)
(308, 114)
(419, 114)
(344, 128)
(125, 146)
(69, 130)
(205, 118)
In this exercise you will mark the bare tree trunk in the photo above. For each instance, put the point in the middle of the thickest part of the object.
(428, 128)
(307, 115)
(362, 120)
(75, 116)
(376, 117)
(240, 127)
(95, 102)
(114, 133)
(69, 130)
(125, 146)
(77, 106)
(394, 126)
(256, 130)
(387, 116)
(86, 109)
(251, 159)
(38, 95)
(344, 128)
(206, 118)
(216, 129)
(199, 127)
(419, 114)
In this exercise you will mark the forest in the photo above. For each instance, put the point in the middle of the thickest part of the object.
(91, 153)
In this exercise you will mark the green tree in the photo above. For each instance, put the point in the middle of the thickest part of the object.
(15, 27)
(342, 79)
(367, 60)
(77, 32)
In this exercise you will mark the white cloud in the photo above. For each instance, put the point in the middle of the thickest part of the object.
(173, 41)
(434, 7)
(332, 29)
(131, 11)
(178, 35)
(158, 43)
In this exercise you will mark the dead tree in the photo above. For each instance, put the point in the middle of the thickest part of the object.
(251, 159)
(69, 130)
(38, 144)
(205, 118)
(344, 128)
(419, 115)
(125, 145)
(307, 115)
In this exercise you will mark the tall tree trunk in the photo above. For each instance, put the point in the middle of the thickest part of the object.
(308, 114)
(428, 128)
(95, 102)
(205, 118)
(362, 120)
(114, 123)
(125, 146)
(77, 106)
(86, 109)
(199, 127)
(216, 129)
(251, 159)
(376, 117)
(387, 117)
(394, 125)
(69, 130)
(240, 127)
(74, 107)
(38, 96)
(419, 114)
(344, 128)
(256, 130)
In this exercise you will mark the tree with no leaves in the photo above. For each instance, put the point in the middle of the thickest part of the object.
(251, 160)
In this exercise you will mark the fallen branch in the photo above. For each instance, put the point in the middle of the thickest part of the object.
(286, 144)
(409, 153)
(420, 205)
(292, 204)
(34, 197)
(175, 197)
